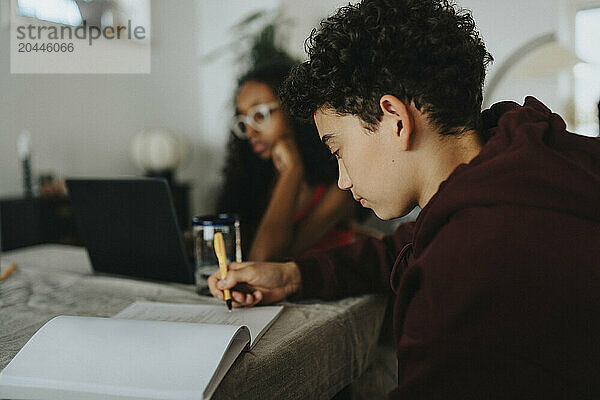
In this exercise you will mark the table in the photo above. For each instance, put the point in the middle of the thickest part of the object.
(312, 351)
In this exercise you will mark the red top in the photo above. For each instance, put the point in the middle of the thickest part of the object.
(335, 236)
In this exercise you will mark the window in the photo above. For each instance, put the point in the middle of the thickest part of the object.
(59, 11)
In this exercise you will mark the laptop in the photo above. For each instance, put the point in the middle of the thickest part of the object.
(130, 228)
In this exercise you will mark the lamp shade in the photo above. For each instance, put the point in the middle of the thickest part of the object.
(158, 150)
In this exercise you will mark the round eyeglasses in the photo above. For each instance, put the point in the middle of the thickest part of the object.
(258, 118)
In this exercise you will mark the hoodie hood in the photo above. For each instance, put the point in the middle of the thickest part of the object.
(529, 160)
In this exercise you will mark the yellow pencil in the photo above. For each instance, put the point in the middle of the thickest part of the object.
(9, 271)
(222, 257)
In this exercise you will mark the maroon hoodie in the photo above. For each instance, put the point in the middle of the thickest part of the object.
(497, 283)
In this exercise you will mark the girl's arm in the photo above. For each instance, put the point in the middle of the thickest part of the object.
(275, 232)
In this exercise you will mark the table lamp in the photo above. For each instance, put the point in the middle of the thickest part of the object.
(158, 152)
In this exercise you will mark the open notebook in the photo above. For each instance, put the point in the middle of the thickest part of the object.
(147, 351)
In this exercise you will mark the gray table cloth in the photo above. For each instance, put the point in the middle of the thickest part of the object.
(312, 351)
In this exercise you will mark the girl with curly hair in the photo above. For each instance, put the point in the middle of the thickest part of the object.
(279, 178)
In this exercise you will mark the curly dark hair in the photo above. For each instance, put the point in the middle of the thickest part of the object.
(249, 180)
(422, 51)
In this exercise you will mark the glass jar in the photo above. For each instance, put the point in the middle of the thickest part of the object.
(204, 229)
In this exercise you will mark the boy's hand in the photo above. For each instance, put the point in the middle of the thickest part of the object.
(268, 282)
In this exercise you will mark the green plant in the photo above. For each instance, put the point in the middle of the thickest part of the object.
(257, 41)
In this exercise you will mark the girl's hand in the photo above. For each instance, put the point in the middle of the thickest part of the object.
(286, 156)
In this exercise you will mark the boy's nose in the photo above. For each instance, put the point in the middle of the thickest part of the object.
(344, 182)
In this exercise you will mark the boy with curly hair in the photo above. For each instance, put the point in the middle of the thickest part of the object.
(497, 282)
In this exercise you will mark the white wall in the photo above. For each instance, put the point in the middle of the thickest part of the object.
(81, 124)
(304, 16)
(505, 26)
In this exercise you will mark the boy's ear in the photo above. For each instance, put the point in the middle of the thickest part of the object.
(399, 114)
